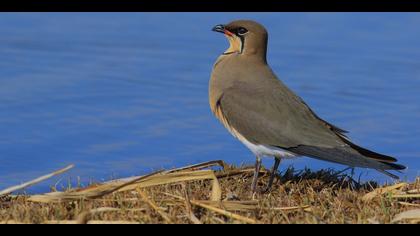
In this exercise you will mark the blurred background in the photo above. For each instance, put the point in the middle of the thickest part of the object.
(121, 94)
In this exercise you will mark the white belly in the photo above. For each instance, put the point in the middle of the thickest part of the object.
(260, 150)
(264, 150)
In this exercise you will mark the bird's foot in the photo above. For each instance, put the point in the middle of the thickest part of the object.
(260, 191)
(265, 190)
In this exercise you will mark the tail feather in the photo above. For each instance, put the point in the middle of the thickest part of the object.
(346, 156)
(394, 166)
(370, 154)
(389, 174)
(342, 155)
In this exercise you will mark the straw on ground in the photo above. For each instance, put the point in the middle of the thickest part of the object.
(197, 194)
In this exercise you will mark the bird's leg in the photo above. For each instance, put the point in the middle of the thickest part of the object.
(273, 173)
(256, 173)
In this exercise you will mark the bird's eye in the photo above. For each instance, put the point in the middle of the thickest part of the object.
(242, 31)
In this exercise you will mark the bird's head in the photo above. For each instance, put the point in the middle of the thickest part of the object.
(245, 37)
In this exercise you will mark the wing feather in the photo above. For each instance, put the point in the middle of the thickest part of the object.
(285, 121)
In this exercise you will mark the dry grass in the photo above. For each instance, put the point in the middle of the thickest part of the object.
(193, 195)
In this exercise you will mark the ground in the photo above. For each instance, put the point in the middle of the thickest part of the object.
(194, 195)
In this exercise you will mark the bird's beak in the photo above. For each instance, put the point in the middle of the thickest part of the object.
(221, 29)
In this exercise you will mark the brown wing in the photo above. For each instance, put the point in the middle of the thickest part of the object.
(363, 151)
(270, 116)
(266, 116)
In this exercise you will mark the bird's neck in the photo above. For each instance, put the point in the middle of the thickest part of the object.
(247, 55)
(255, 49)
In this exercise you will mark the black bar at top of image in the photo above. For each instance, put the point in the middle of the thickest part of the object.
(209, 6)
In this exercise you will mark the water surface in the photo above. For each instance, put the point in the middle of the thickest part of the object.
(120, 94)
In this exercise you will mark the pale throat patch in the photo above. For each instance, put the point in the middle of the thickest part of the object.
(235, 44)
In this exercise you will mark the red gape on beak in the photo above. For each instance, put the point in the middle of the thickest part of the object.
(221, 29)
(228, 33)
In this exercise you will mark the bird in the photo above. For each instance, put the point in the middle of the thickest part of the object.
(259, 110)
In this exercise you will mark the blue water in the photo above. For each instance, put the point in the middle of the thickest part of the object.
(121, 94)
